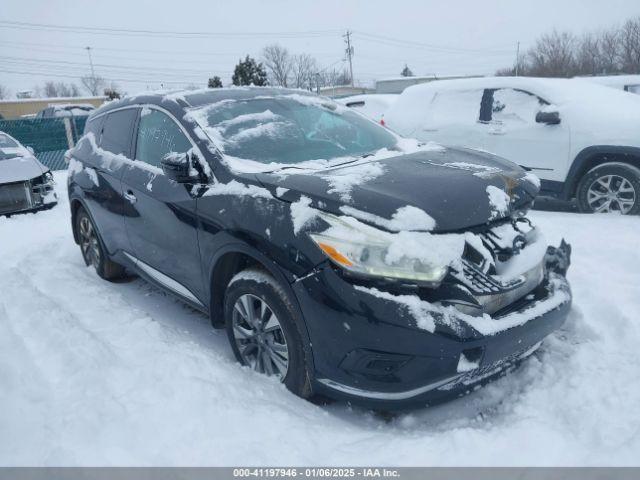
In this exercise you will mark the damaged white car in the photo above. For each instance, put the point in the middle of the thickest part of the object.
(25, 183)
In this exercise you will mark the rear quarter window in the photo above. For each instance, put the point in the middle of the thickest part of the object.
(117, 131)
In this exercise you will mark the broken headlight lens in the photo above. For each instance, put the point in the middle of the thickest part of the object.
(364, 252)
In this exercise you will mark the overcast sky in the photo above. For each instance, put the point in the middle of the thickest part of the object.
(454, 37)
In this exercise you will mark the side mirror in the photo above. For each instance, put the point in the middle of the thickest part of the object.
(179, 167)
(31, 151)
(548, 118)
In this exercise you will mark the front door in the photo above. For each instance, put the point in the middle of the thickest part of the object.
(161, 221)
(511, 132)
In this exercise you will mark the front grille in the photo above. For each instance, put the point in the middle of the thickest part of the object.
(488, 255)
(15, 197)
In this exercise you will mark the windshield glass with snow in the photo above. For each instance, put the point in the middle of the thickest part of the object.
(290, 129)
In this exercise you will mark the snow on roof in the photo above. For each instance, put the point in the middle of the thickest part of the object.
(552, 90)
(613, 80)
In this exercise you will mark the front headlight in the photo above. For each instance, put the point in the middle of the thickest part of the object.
(369, 252)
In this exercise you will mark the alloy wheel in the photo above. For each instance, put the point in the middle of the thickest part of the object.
(611, 193)
(89, 242)
(259, 336)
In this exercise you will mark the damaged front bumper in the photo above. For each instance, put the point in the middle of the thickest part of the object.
(372, 348)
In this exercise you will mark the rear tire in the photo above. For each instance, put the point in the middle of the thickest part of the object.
(611, 187)
(92, 249)
(262, 329)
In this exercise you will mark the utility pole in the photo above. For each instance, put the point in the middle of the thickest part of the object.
(93, 74)
(349, 51)
(517, 58)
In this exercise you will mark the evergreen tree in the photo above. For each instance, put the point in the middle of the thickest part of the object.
(249, 72)
(406, 71)
(214, 82)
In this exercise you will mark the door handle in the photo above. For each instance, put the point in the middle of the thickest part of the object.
(497, 131)
(130, 196)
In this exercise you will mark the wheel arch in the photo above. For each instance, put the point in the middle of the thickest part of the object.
(231, 259)
(74, 204)
(236, 257)
(593, 156)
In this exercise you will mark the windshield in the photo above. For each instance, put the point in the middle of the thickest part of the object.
(290, 129)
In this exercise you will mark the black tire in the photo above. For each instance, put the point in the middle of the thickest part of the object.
(260, 286)
(623, 193)
(92, 248)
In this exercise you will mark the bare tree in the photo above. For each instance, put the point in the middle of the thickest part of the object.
(4, 92)
(93, 84)
(59, 89)
(588, 55)
(304, 68)
(630, 46)
(553, 55)
(334, 77)
(279, 64)
(610, 50)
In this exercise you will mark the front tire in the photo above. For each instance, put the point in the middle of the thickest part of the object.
(92, 249)
(262, 329)
(611, 187)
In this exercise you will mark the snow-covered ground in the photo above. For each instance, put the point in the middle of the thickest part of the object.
(97, 373)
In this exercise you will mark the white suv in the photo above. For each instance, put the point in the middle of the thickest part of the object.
(582, 140)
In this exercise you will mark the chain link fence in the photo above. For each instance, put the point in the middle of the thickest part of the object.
(49, 137)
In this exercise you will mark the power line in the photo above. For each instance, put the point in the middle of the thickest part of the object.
(164, 33)
(409, 43)
(129, 80)
(60, 63)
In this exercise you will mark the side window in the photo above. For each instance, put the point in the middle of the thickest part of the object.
(454, 108)
(511, 106)
(158, 135)
(117, 131)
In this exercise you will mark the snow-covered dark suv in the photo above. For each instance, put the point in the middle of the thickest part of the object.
(341, 258)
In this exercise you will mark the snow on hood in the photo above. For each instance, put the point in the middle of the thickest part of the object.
(20, 168)
(450, 186)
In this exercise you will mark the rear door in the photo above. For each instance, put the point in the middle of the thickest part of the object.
(452, 118)
(511, 131)
(161, 215)
(102, 172)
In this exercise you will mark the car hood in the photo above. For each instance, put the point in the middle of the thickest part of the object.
(20, 168)
(456, 187)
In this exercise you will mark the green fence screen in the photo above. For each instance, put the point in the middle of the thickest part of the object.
(49, 137)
